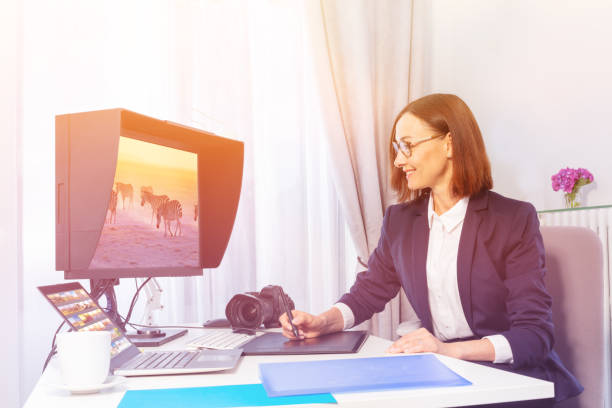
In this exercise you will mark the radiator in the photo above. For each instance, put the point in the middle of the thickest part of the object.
(598, 219)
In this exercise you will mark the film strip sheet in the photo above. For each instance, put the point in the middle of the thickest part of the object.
(85, 315)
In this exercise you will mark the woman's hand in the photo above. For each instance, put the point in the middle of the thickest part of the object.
(308, 325)
(420, 341)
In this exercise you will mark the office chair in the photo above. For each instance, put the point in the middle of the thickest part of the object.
(575, 280)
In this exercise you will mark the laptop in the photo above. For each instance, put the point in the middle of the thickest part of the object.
(82, 313)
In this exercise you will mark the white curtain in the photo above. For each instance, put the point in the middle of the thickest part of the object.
(312, 88)
(361, 55)
(252, 80)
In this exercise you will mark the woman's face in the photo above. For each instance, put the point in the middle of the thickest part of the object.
(429, 163)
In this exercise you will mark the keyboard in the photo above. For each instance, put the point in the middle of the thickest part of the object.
(156, 359)
(220, 340)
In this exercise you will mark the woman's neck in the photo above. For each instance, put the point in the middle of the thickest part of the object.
(443, 201)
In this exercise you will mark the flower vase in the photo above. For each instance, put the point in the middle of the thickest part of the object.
(570, 182)
(574, 199)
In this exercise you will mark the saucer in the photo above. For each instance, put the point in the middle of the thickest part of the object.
(110, 381)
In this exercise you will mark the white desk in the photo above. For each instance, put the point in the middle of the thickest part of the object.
(489, 385)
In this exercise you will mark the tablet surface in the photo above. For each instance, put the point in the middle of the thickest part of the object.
(334, 343)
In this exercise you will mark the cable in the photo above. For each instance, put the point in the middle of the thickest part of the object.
(101, 288)
(135, 325)
(126, 321)
(164, 327)
(53, 347)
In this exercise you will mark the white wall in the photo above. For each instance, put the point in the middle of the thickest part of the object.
(538, 77)
(10, 225)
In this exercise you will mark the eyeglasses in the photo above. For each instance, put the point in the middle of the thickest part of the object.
(406, 148)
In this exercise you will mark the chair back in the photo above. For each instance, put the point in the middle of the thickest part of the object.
(575, 280)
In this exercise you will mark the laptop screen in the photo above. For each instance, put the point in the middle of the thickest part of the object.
(83, 313)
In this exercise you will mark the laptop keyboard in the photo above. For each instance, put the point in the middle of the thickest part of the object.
(220, 340)
(162, 359)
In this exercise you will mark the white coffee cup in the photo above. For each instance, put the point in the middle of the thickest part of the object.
(84, 357)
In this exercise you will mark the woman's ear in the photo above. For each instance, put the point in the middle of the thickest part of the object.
(449, 146)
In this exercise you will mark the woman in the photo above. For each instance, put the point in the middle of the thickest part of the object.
(470, 260)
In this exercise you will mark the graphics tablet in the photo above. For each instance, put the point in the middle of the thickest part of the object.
(334, 343)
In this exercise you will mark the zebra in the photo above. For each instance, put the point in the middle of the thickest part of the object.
(112, 207)
(145, 188)
(170, 211)
(154, 200)
(127, 191)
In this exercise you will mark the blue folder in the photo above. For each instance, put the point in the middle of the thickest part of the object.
(357, 374)
(245, 395)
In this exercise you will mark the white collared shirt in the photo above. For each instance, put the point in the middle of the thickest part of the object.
(447, 315)
(448, 319)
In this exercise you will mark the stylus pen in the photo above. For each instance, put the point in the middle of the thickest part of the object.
(295, 330)
(290, 316)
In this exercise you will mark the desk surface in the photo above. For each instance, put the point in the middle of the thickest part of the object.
(489, 385)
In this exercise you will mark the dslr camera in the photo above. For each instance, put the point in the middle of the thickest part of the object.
(248, 311)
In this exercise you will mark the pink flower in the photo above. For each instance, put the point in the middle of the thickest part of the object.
(567, 179)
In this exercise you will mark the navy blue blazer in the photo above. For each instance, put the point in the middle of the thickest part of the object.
(500, 273)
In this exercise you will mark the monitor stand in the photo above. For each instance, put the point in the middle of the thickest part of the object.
(144, 337)
(154, 337)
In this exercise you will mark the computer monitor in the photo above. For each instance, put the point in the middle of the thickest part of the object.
(142, 197)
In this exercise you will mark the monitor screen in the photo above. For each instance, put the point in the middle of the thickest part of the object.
(141, 197)
(152, 210)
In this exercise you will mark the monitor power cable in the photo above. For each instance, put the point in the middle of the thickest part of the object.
(126, 321)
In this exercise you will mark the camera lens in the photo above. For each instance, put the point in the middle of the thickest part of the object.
(245, 311)
(248, 312)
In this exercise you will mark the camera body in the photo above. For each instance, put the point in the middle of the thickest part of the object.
(249, 310)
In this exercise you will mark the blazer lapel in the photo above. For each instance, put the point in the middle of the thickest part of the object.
(465, 255)
(420, 242)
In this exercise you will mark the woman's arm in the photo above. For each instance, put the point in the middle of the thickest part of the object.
(374, 288)
(422, 341)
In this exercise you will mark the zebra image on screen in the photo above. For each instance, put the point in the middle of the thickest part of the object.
(170, 211)
(112, 207)
(155, 201)
(126, 191)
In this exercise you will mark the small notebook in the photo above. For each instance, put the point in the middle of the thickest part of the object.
(335, 343)
(357, 374)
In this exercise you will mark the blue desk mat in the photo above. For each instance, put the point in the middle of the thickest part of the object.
(357, 374)
(244, 395)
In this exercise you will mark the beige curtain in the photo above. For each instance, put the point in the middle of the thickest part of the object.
(361, 51)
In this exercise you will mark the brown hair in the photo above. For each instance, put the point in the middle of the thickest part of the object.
(471, 168)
